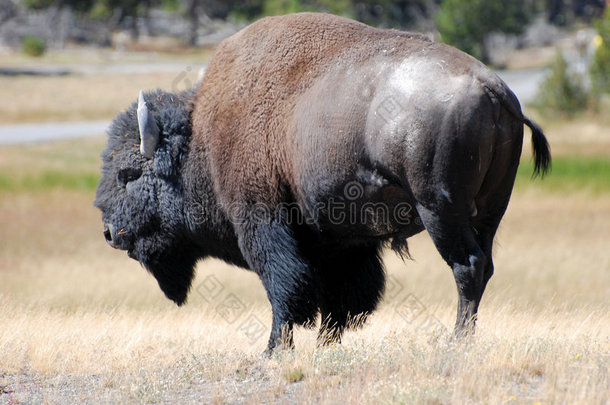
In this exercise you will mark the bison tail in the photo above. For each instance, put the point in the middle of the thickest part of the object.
(542, 150)
(498, 90)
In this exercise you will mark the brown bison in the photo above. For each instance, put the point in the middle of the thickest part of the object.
(311, 142)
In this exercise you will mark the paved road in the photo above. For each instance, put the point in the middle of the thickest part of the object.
(97, 69)
(23, 133)
(523, 82)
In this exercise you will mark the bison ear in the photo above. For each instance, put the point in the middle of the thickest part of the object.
(149, 131)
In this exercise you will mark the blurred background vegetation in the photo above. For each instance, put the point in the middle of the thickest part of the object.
(91, 55)
(464, 23)
(487, 29)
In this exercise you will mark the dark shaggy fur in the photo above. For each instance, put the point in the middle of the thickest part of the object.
(312, 141)
(147, 202)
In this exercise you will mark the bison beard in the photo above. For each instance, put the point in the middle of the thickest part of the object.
(174, 270)
(293, 112)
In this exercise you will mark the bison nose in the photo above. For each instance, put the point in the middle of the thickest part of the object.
(108, 234)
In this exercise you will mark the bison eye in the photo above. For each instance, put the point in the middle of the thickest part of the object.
(127, 175)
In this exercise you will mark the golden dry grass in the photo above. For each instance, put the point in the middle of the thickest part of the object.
(83, 323)
(81, 97)
(101, 57)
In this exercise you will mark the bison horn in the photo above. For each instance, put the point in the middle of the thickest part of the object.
(149, 131)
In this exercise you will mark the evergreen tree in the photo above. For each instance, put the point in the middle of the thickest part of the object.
(466, 24)
(600, 66)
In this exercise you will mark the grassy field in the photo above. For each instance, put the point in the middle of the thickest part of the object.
(96, 56)
(81, 97)
(83, 323)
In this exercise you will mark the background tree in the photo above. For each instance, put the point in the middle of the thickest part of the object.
(127, 11)
(194, 11)
(562, 92)
(403, 14)
(600, 66)
(467, 24)
(79, 6)
(7, 10)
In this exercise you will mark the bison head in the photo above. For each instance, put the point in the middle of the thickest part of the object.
(141, 192)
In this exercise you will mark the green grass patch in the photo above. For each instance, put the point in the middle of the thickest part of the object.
(294, 375)
(569, 174)
(48, 180)
(75, 165)
(72, 165)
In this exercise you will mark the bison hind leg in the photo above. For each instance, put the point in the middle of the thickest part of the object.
(352, 280)
(457, 242)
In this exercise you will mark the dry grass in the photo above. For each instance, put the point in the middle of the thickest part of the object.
(530, 58)
(81, 97)
(172, 355)
(83, 323)
(100, 57)
(586, 135)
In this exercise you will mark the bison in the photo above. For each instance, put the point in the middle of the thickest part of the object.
(311, 142)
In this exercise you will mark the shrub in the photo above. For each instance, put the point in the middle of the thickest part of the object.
(600, 66)
(279, 7)
(562, 92)
(33, 46)
(466, 24)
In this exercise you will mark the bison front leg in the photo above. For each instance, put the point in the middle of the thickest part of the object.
(271, 251)
(352, 280)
